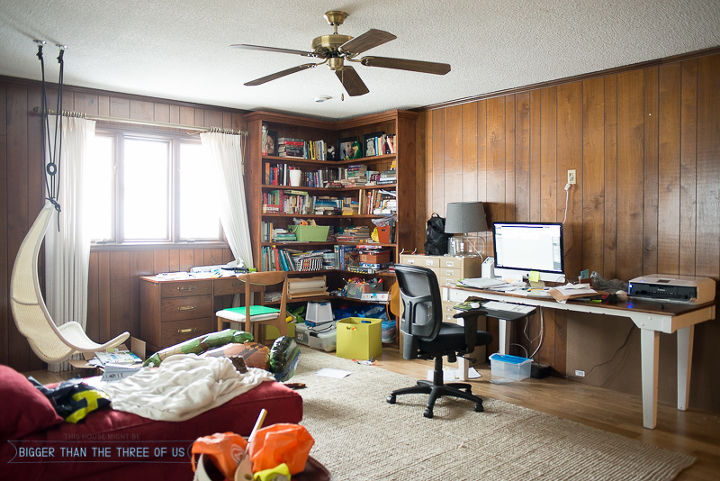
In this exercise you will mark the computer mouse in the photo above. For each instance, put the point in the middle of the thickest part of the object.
(474, 305)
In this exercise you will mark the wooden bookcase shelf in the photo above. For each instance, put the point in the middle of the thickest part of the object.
(326, 190)
(400, 123)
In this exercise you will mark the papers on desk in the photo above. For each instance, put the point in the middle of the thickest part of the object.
(481, 282)
(571, 291)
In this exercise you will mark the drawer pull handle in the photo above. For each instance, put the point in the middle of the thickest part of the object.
(185, 331)
(183, 288)
(186, 308)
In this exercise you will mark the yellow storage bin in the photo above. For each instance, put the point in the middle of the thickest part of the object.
(359, 338)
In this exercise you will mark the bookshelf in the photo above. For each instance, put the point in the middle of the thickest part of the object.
(326, 193)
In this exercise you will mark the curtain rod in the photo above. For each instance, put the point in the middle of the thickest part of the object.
(69, 113)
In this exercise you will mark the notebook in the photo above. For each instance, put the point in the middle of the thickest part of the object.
(257, 313)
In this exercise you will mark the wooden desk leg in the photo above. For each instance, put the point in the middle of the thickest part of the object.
(685, 338)
(649, 344)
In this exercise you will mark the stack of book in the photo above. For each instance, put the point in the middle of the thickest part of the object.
(387, 177)
(326, 205)
(282, 235)
(354, 175)
(288, 202)
(350, 206)
(289, 147)
(354, 234)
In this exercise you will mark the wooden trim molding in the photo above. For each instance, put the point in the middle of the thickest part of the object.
(574, 78)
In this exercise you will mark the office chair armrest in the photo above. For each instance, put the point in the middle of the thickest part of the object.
(470, 322)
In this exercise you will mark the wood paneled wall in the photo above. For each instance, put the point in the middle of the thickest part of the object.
(113, 304)
(646, 146)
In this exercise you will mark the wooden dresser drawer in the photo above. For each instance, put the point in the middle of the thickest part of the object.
(188, 307)
(230, 285)
(186, 288)
(178, 331)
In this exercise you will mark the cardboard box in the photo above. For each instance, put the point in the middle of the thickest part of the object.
(380, 257)
(323, 340)
(359, 338)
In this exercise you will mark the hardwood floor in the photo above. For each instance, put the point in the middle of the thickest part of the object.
(690, 432)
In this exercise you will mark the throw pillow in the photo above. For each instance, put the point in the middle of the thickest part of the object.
(25, 409)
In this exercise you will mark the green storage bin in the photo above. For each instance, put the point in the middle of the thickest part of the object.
(310, 233)
(359, 338)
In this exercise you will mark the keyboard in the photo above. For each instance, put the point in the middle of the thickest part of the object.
(507, 307)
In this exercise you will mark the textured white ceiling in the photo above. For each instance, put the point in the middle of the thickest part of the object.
(179, 49)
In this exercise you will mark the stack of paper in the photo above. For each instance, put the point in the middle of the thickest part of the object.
(572, 291)
(308, 286)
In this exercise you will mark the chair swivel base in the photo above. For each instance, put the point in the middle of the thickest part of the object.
(460, 390)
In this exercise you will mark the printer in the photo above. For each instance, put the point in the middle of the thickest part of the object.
(666, 287)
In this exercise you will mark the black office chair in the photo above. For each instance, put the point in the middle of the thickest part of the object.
(427, 336)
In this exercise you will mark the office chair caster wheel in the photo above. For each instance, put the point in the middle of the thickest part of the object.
(479, 408)
(428, 413)
(390, 399)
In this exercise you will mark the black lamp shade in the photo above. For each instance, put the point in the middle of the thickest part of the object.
(464, 217)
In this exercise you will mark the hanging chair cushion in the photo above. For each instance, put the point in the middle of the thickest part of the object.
(25, 409)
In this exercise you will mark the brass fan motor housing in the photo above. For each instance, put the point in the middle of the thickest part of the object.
(326, 45)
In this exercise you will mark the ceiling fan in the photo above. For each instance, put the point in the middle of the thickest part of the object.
(337, 49)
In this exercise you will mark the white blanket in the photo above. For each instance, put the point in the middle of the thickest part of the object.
(182, 387)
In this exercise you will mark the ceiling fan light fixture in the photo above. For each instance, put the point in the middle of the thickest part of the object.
(336, 48)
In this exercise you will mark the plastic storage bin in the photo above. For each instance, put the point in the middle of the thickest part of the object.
(359, 338)
(310, 233)
(514, 368)
(388, 331)
(323, 339)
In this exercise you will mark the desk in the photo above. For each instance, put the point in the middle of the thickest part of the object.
(175, 310)
(652, 318)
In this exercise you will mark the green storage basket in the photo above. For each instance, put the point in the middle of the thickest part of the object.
(310, 233)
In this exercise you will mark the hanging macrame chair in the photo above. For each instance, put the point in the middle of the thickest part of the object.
(50, 342)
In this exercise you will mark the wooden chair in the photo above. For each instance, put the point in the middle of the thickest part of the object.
(256, 316)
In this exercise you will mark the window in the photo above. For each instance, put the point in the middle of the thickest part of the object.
(150, 189)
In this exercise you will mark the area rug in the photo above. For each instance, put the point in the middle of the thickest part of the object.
(359, 436)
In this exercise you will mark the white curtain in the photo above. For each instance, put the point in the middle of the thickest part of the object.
(225, 153)
(67, 251)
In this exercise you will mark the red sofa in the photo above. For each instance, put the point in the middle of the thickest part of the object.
(112, 445)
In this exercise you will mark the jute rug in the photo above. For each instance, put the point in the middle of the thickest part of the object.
(359, 436)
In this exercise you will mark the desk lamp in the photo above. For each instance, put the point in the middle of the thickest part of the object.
(463, 218)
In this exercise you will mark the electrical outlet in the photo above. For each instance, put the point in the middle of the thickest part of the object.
(572, 177)
(579, 373)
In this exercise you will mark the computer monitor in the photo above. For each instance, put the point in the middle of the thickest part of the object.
(521, 247)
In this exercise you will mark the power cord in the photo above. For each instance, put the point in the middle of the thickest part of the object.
(542, 328)
(567, 195)
(627, 339)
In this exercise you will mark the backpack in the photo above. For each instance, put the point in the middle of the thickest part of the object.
(436, 240)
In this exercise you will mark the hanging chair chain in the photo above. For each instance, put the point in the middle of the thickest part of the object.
(51, 157)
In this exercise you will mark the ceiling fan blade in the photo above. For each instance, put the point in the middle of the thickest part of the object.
(366, 41)
(405, 64)
(248, 46)
(352, 82)
(282, 73)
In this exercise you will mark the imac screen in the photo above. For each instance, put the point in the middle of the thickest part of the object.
(525, 247)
